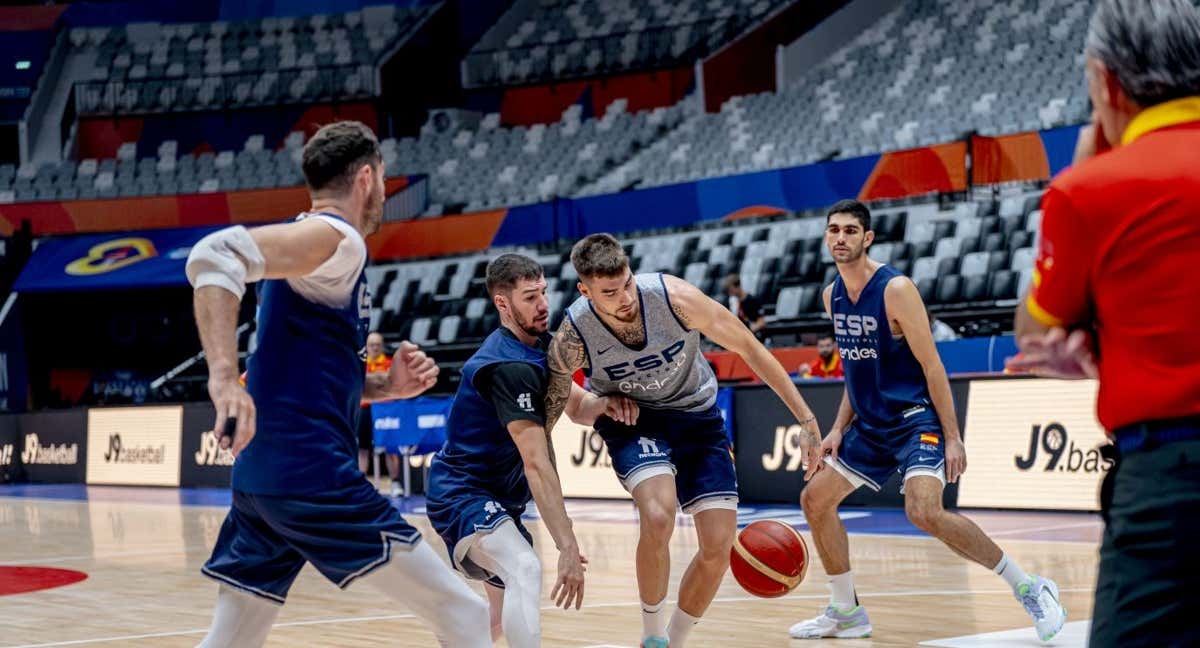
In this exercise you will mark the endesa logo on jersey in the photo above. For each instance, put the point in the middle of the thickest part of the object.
(1033, 444)
(651, 372)
(858, 328)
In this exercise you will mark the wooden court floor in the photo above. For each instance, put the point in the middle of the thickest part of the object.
(142, 550)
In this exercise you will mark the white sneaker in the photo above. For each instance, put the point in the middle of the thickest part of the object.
(1039, 597)
(834, 623)
(397, 489)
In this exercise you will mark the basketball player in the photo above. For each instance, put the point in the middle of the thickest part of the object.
(897, 414)
(298, 495)
(497, 457)
(639, 335)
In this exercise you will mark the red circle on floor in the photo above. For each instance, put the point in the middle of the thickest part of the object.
(19, 580)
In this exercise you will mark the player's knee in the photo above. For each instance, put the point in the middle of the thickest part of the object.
(657, 521)
(527, 575)
(923, 516)
(814, 501)
(715, 554)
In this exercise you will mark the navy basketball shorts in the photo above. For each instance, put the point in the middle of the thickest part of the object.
(345, 533)
(868, 458)
(461, 516)
(692, 446)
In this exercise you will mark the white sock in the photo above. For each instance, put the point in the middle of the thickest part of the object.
(654, 620)
(240, 619)
(681, 626)
(1010, 572)
(842, 586)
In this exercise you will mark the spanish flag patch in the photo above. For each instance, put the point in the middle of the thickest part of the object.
(931, 439)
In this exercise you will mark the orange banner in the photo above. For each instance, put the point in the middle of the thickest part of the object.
(158, 212)
(934, 169)
(1008, 158)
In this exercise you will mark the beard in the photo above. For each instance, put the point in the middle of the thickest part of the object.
(532, 328)
(373, 213)
(624, 319)
(825, 355)
(852, 254)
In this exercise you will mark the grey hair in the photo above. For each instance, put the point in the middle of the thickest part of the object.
(1151, 46)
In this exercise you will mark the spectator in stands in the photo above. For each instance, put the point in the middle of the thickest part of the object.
(830, 365)
(378, 361)
(747, 307)
(1113, 297)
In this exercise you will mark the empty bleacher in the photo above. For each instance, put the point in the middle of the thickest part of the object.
(928, 72)
(156, 68)
(970, 264)
(563, 39)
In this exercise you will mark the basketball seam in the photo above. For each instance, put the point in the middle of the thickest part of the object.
(803, 545)
(763, 568)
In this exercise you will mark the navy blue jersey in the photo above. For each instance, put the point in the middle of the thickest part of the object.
(306, 376)
(884, 381)
(479, 453)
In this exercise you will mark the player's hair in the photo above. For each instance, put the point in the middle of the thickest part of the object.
(732, 281)
(599, 255)
(1151, 46)
(825, 335)
(336, 152)
(855, 209)
(506, 270)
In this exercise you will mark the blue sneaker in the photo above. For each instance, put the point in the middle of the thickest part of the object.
(655, 642)
(851, 623)
(1039, 597)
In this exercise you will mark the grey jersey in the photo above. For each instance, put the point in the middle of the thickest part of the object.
(668, 372)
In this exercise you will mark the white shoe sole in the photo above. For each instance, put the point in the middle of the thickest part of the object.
(859, 632)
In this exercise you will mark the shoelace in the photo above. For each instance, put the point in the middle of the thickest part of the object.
(1029, 600)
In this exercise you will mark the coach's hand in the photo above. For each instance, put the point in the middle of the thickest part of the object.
(234, 426)
(412, 371)
(956, 459)
(569, 587)
(1056, 354)
(621, 409)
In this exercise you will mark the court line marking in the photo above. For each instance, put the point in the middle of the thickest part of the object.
(126, 552)
(1056, 527)
(392, 617)
(165, 552)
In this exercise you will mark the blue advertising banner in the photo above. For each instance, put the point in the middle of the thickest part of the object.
(417, 425)
(108, 261)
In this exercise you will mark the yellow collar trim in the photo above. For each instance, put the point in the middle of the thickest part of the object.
(1168, 113)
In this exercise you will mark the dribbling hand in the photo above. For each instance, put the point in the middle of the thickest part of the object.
(235, 422)
(412, 371)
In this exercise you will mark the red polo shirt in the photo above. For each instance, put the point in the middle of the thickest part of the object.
(1120, 251)
(823, 370)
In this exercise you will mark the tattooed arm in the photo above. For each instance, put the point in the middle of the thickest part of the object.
(565, 356)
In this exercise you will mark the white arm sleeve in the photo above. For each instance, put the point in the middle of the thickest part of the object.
(333, 282)
(227, 258)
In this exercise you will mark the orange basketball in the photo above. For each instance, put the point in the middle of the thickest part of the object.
(769, 558)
